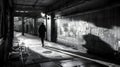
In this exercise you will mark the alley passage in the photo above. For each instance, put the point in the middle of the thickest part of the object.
(30, 53)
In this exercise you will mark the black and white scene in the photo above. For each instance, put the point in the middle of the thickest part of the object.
(59, 33)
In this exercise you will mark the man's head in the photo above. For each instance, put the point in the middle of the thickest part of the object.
(42, 23)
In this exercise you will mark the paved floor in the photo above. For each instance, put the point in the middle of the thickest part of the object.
(52, 55)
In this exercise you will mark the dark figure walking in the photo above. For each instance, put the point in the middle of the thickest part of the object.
(42, 31)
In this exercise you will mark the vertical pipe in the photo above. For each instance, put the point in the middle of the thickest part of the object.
(22, 25)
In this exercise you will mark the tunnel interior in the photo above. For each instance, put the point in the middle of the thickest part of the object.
(88, 26)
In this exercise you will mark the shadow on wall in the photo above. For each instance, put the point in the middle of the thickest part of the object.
(98, 47)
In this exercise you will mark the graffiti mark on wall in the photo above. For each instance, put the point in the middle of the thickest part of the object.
(74, 30)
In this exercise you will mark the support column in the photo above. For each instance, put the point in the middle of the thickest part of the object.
(53, 28)
(4, 30)
(10, 28)
(35, 26)
(46, 26)
(23, 26)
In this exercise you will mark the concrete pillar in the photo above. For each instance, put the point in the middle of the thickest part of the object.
(12, 22)
(4, 30)
(7, 31)
(35, 26)
(10, 28)
(23, 26)
(53, 28)
(46, 27)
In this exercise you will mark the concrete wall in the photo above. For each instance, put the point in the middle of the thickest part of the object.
(97, 31)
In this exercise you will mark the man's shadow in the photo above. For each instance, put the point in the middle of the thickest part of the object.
(96, 46)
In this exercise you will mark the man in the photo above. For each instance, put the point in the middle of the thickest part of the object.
(42, 31)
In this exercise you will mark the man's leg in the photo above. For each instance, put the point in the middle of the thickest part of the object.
(42, 40)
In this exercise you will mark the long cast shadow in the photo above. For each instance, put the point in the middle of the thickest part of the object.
(86, 63)
(96, 46)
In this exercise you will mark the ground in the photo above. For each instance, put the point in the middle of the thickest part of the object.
(28, 52)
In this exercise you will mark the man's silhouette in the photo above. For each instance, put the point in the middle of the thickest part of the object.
(42, 31)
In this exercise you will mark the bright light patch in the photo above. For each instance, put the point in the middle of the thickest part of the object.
(42, 14)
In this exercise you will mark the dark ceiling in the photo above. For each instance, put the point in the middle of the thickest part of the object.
(64, 7)
(42, 5)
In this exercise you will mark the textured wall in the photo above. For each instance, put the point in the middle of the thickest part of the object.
(101, 29)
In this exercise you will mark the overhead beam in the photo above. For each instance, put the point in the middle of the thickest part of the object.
(32, 5)
(29, 9)
(27, 14)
